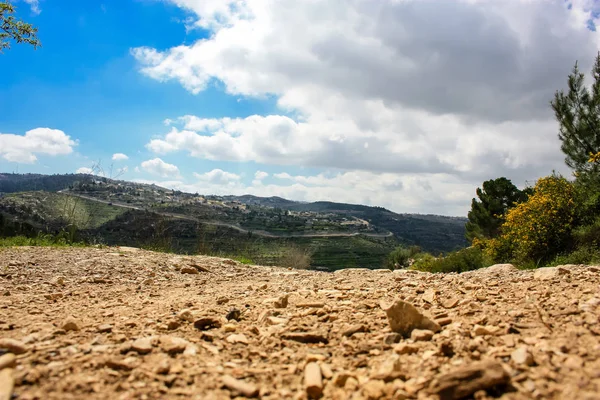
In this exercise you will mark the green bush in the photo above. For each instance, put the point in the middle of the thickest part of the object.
(459, 261)
(582, 255)
(296, 257)
(400, 257)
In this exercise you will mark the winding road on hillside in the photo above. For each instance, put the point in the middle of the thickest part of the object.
(238, 228)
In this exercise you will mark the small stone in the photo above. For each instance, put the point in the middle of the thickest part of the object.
(8, 361)
(186, 315)
(237, 338)
(313, 380)
(326, 371)
(522, 356)
(207, 323)
(163, 367)
(548, 273)
(444, 321)
(374, 389)
(70, 324)
(429, 296)
(276, 321)
(468, 379)
(479, 330)
(314, 304)
(53, 296)
(392, 338)
(245, 388)
(13, 346)
(450, 303)
(172, 345)
(189, 270)
(142, 345)
(305, 337)
(118, 364)
(405, 348)
(390, 369)
(222, 300)
(281, 301)
(403, 317)
(7, 383)
(355, 329)
(421, 335)
(172, 325)
(229, 327)
(105, 328)
(341, 378)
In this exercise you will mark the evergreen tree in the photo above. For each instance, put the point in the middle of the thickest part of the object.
(487, 214)
(578, 113)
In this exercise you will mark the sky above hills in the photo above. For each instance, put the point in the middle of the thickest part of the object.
(405, 104)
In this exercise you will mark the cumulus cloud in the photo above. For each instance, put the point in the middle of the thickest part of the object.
(84, 170)
(23, 148)
(119, 157)
(218, 177)
(414, 88)
(260, 175)
(157, 166)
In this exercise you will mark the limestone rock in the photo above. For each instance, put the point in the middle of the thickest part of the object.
(172, 344)
(7, 383)
(8, 361)
(548, 273)
(468, 379)
(70, 324)
(313, 381)
(420, 335)
(142, 345)
(236, 385)
(403, 317)
(13, 345)
(522, 356)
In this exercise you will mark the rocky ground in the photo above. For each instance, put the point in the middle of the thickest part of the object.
(122, 323)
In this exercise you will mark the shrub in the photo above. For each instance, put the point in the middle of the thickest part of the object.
(459, 261)
(540, 228)
(582, 255)
(296, 257)
(400, 257)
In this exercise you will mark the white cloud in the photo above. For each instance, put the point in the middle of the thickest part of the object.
(260, 175)
(119, 157)
(84, 170)
(218, 177)
(23, 149)
(415, 88)
(157, 166)
(35, 6)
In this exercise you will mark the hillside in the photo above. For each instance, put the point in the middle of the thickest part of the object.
(128, 213)
(90, 323)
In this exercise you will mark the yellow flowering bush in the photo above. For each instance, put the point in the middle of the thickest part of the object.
(538, 228)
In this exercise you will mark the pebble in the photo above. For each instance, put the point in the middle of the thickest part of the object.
(245, 388)
(142, 345)
(355, 329)
(7, 383)
(468, 379)
(420, 335)
(13, 345)
(305, 337)
(207, 323)
(522, 356)
(480, 330)
(70, 324)
(105, 328)
(313, 380)
(392, 338)
(237, 338)
(189, 270)
(405, 348)
(403, 317)
(172, 345)
(8, 361)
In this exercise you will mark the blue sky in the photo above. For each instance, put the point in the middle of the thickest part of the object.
(406, 105)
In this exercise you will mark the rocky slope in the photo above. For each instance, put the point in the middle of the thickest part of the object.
(123, 323)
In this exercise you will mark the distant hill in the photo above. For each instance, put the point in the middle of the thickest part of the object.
(319, 225)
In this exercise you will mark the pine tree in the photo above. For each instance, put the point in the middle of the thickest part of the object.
(487, 214)
(578, 113)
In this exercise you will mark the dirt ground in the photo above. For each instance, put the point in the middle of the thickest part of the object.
(123, 323)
